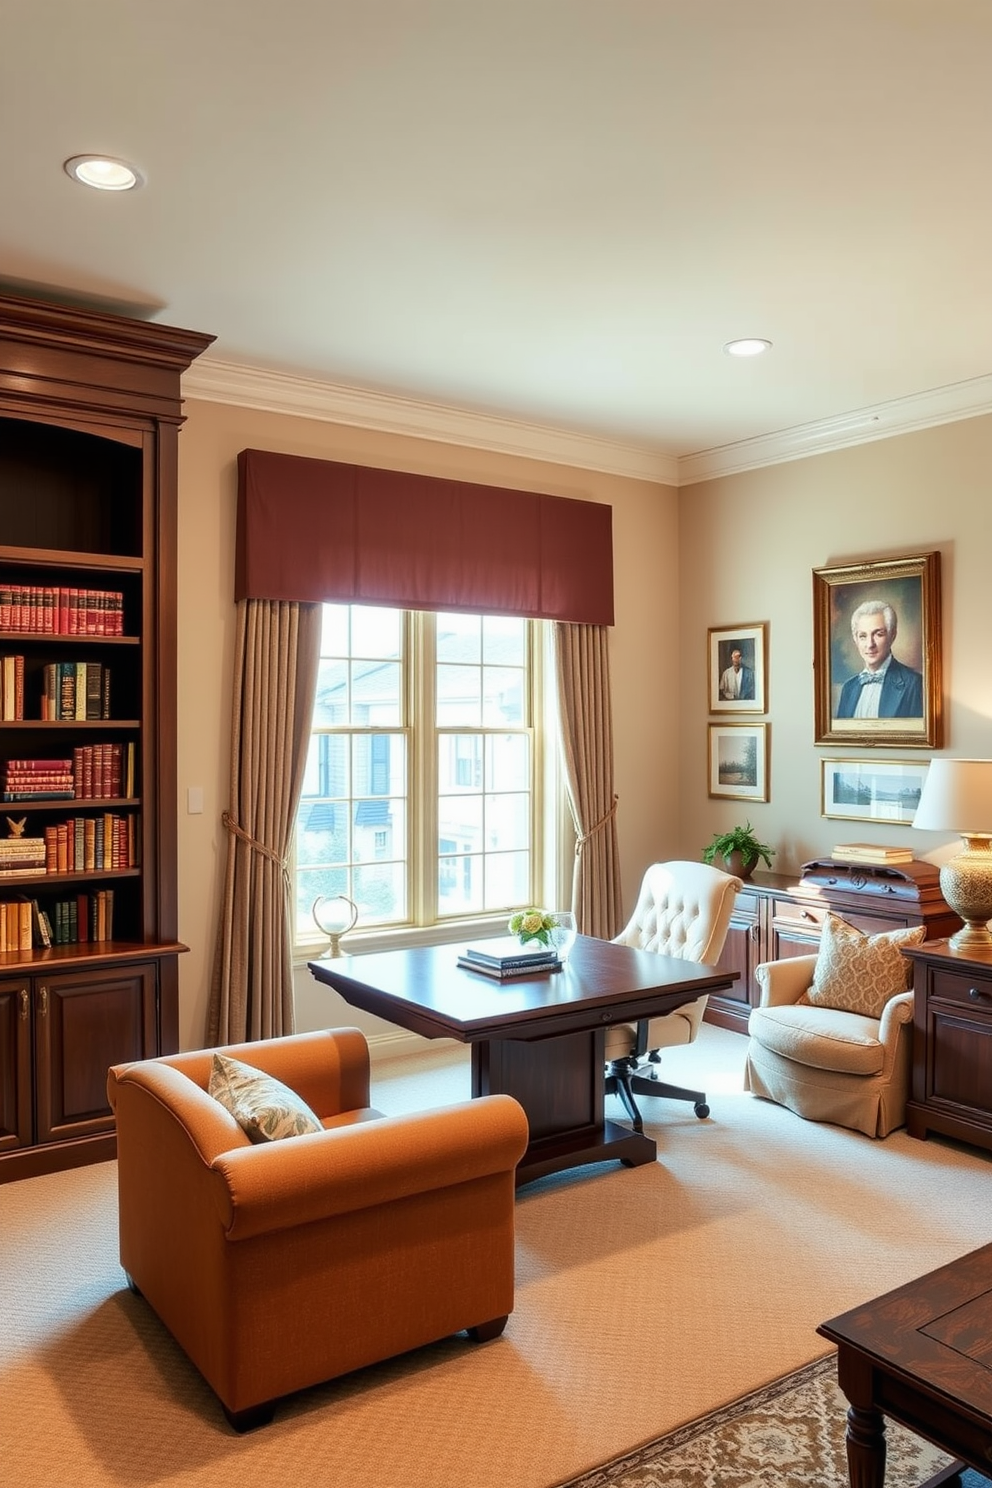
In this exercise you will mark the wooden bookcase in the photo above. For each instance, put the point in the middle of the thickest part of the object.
(90, 411)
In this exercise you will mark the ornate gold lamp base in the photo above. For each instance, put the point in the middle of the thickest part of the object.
(966, 884)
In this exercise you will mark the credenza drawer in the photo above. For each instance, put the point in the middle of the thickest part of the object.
(950, 986)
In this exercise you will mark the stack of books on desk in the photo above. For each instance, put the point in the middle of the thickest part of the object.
(506, 957)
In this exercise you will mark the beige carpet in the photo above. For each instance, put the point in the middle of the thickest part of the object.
(645, 1298)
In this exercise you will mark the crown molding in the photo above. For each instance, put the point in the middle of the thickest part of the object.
(944, 405)
(217, 381)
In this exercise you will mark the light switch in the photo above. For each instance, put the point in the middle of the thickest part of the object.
(194, 800)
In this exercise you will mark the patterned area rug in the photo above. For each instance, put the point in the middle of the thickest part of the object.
(790, 1433)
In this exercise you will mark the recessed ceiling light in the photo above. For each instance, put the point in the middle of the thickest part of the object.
(103, 172)
(748, 346)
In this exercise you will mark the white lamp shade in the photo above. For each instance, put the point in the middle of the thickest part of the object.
(956, 797)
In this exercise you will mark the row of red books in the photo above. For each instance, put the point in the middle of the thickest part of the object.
(98, 843)
(37, 779)
(48, 609)
(95, 772)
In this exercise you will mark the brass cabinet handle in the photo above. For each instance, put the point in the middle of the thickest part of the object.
(43, 1000)
(25, 1004)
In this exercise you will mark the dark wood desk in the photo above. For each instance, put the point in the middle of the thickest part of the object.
(921, 1354)
(540, 1039)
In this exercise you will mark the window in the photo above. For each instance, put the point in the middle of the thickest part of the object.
(421, 791)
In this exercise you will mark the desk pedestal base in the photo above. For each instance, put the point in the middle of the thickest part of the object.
(560, 1082)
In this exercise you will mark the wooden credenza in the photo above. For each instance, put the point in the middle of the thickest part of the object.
(952, 1044)
(778, 915)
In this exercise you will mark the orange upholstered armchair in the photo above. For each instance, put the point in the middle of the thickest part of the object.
(279, 1264)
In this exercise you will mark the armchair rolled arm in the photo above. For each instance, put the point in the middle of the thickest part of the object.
(897, 1010)
(158, 1097)
(784, 981)
(277, 1185)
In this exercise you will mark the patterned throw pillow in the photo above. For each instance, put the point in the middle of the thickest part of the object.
(858, 973)
(261, 1105)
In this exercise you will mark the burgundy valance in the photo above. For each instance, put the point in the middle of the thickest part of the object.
(321, 530)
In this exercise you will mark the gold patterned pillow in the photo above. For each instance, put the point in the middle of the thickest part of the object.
(858, 973)
(261, 1105)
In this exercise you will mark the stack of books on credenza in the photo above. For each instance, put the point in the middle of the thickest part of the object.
(505, 958)
(871, 853)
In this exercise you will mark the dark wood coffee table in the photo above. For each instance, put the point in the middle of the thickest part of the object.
(538, 1038)
(922, 1355)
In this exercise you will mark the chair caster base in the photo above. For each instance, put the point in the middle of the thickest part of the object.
(702, 1110)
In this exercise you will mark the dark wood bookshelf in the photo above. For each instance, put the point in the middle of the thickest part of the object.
(90, 412)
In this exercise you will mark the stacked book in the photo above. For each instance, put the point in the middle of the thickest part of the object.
(506, 957)
(871, 853)
(37, 780)
(22, 857)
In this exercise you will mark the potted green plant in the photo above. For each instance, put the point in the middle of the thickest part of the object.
(739, 850)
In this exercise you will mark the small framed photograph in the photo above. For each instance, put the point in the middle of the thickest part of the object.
(873, 790)
(737, 669)
(876, 652)
(739, 761)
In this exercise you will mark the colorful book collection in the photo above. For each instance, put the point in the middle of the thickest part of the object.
(74, 690)
(24, 925)
(11, 688)
(89, 844)
(96, 772)
(49, 609)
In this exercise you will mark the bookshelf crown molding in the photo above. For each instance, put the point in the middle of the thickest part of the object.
(215, 380)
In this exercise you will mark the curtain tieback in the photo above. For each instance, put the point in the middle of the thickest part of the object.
(597, 827)
(254, 843)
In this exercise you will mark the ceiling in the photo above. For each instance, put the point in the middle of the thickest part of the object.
(546, 212)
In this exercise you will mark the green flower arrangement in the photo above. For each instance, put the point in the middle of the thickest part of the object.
(531, 924)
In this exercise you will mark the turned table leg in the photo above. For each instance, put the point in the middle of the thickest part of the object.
(865, 1447)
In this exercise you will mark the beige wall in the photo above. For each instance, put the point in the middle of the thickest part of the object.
(644, 653)
(747, 548)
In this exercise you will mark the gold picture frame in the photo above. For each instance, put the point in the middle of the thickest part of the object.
(906, 659)
(738, 761)
(743, 689)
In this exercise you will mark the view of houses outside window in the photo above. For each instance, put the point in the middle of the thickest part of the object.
(419, 795)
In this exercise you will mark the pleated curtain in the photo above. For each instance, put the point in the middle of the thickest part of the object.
(585, 713)
(276, 661)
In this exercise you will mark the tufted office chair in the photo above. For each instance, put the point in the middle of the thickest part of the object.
(683, 910)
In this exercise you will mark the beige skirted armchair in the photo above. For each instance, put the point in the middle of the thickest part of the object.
(849, 1065)
(277, 1264)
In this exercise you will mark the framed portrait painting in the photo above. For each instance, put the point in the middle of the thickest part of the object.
(738, 758)
(876, 652)
(873, 790)
(737, 666)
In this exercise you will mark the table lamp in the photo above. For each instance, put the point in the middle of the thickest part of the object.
(957, 797)
(335, 917)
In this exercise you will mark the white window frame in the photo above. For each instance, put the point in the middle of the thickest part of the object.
(552, 840)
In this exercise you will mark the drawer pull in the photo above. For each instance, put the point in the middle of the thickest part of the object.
(23, 995)
(43, 998)
(805, 915)
(979, 994)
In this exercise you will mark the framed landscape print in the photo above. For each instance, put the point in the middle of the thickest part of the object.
(873, 789)
(738, 760)
(876, 652)
(737, 665)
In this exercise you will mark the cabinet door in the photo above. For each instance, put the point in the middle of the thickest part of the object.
(741, 950)
(85, 1021)
(15, 1065)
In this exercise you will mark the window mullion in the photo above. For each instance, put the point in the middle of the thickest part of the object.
(423, 733)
